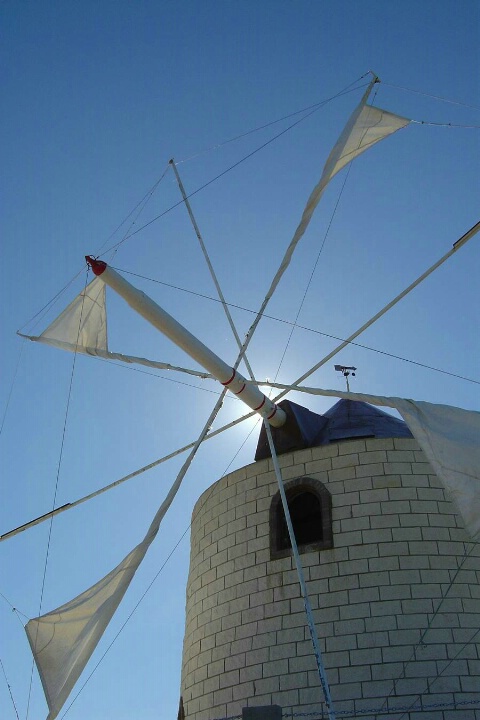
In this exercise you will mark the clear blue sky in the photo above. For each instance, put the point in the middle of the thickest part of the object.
(97, 97)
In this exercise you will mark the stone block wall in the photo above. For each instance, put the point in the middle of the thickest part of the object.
(396, 600)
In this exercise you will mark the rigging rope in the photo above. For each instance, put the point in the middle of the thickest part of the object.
(59, 464)
(150, 585)
(164, 377)
(434, 97)
(142, 204)
(346, 90)
(340, 194)
(450, 125)
(299, 327)
(9, 397)
(231, 167)
(371, 712)
(429, 684)
(9, 689)
(14, 609)
(420, 642)
(42, 312)
(51, 303)
(294, 324)
(456, 246)
(127, 233)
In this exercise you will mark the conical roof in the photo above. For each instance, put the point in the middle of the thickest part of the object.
(346, 420)
(353, 419)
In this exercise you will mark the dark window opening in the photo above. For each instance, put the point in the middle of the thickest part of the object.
(310, 507)
(306, 516)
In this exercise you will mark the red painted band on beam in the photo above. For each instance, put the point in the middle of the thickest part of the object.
(243, 388)
(229, 381)
(273, 413)
(261, 404)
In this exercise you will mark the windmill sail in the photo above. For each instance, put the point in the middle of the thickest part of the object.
(82, 325)
(82, 328)
(367, 126)
(62, 641)
(450, 439)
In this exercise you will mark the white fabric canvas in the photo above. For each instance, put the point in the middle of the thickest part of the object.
(366, 126)
(370, 125)
(83, 324)
(82, 328)
(450, 438)
(63, 640)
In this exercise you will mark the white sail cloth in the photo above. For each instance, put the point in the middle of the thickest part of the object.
(63, 640)
(450, 439)
(367, 126)
(83, 324)
(82, 328)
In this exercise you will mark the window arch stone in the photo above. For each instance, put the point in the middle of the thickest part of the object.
(310, 505)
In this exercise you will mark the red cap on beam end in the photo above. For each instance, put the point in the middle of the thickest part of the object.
(98, 266)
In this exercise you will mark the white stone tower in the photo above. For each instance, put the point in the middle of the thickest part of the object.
(393, 579)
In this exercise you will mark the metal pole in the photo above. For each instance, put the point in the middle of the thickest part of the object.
(210, 266)
(301, 579)
(456, 246)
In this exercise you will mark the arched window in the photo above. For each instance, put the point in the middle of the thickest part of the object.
(310, 506)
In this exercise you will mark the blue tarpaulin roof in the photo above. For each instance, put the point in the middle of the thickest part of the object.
(346, 420)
